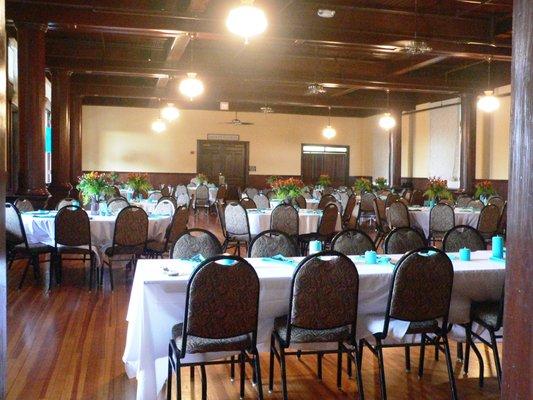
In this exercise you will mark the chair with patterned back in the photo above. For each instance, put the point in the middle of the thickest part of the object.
(502, 224)
(248, 203)
(366, 207)
(402, 240)
(441, 220)
(325, 200)
(352, 242)
(73, 238)
(183, 200)
(271, 195)
(272, 243)
(407, 195)
(463, 236)
(285, 218)
(117, 204)
(166, 191)
(326, 228)
(391, 198)
(343, 199)
(349, 210)
(201, 198)
(154, 196)
(172, 199)
(18, 247)
(424, 306)
(417, 198)
(382, 227)
(221, 314)
(261, 201)
(193, 242)
(250, 192)
(165, 206)
(67, 201)
(129, 238)
(237, 225)
(23, 205)
(180, 189)
(463, 200)
(497, 201)
(322, 309)
(156, 249)
(448, 202)
(475, 204)
(488, 222)
(398, 215)
(300, 201)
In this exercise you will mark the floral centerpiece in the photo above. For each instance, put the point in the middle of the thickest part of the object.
(200, 179)
(92, 186)
(114, 178)
(287, 189)
(362, 185)
(437, 189)
(271, 179)
(381, 183)
(323, 181)
(484, 190)
(138, 183)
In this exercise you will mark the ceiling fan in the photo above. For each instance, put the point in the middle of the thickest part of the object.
(236, 121)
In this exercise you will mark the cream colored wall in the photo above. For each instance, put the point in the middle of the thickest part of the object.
(120, 139)
(378, 161)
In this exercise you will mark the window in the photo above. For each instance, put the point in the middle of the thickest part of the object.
(321, 159)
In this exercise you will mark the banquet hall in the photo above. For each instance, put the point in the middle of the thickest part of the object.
(271, 199)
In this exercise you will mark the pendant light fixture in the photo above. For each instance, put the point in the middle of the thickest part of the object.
(246, 20)
(191, 87)
(329, 132)
(488, 102)
(170, 113)
(159, 126)
(387, 121)
(415, 46)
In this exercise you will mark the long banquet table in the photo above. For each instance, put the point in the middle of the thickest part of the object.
(259, 220)
(463, 216)
(157, 302)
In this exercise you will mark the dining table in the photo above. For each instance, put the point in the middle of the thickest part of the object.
(311, 204)
(309, 219)
(159, 289)
(419, 217)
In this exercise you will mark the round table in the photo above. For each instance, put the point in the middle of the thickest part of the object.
(312, 204)
(146, 205)
(259, 221)
(463, 216)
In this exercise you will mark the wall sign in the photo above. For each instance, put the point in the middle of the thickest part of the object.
(222, 136)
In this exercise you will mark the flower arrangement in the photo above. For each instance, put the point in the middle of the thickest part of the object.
(437, 189)
(323, 180)
(92, 185)
(484, 189)
(362, 185)
(114, 178)
(287, 188)
(200, 179)
(381, 183)
(138, 182)
(271, 179)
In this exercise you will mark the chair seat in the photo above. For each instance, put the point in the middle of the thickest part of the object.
(155, 246)
(399, 331)
(486, 313)
(197, 344)
(307, 237)
(33, 249)
(301, 335)
(122, 250)
(74, 249)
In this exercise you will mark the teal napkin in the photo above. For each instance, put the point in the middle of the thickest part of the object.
(380, 260)
(197, 258)
(280, 258)
(44, 216)
(501, 260)
(38, 212)
(452, 256)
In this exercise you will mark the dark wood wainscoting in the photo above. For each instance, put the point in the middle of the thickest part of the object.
(500, 185)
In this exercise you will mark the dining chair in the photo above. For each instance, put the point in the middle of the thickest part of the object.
(488, 221)
(201, 199)
(129, 239)
(23, 205)
(172, 199)
(67, 201)
(73, 239)
(251, 192)
(221, 314)
(247, 203)
(382, 227)
(155, 196)
(424, 307)
(180, 189)
(441, 220)
(116, 205)
(417, 198)
(194, 242)
(18, 248)
(352, 242)
(165, 207)
(272, 243)
(403, 240)
(221, 194)
(475, 204)
(285, 218)
(300, 201)
(391, 198)
(325, 231)
(498, 202)
(261, 201)
(325, 200)
(347, 215)
(166, 191)
(463, 236)
(271, 195)
(237, 226)
(322, 310)
(183, 200)
(366, 208)
(156, 249)
(463, 201)
(398, 215)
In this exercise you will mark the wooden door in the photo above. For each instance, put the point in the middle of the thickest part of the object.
(333, 164)
(226, 157)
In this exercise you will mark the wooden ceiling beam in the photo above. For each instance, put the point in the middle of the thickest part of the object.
(63, 18)
(410, 66)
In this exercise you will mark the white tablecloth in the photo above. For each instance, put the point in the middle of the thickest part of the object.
(309, 219)
(212, 192)
(157, 302)
(42, 229)
(146, 205)
(420, 218)
(312, 204)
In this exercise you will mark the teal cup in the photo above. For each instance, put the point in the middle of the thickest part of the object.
(315, 246)
(497, 246)
(464, 254)
(371, 257)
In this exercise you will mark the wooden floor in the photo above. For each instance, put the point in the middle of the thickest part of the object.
(68, 344)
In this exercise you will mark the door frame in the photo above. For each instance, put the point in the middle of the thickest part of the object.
(347, 168)
(246, 154)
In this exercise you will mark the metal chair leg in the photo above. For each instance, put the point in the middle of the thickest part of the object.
(271, 365)
(494, 345)
(450, 367)
(169, 374)
(283, 373)
(319, 365)
(204, 382)
(339, 366)
(232, 369)
(257, 365)
(407, 350)
(381, 371)
(242, 365)
(422, 355)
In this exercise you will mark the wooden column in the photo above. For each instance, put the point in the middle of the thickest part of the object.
(31, 85)
(75, 137)
(60, 127)
(468, 142)
(395, 146)
(519, 272)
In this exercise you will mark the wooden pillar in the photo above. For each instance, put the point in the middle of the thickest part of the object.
(31, 85)
(75, 137)
(395, 146)
(468, 142)
(519, 271)
(60, 127)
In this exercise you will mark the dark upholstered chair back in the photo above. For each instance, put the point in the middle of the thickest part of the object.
(325, 200)
(367, 202)
(328, 222)
(300, 201)
(271, 243)
(196, 241)
(324, 292)
(463, 200)
(72, 227)
(417, 198)
(65, 202)
(247, 203)
(441, 218)
(352, 242)
(131, 227)
(15, 233)
(398, 216)
(285, 218)
(463, 236)
(236, 220)
(402, 240)
(222, 300)
(350, 206)
(421, 287)
(488, 219)
(178, 224)
(116, 205)
(261, 201)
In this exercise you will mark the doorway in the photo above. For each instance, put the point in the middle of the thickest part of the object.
(329, 160)
(227, 157)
